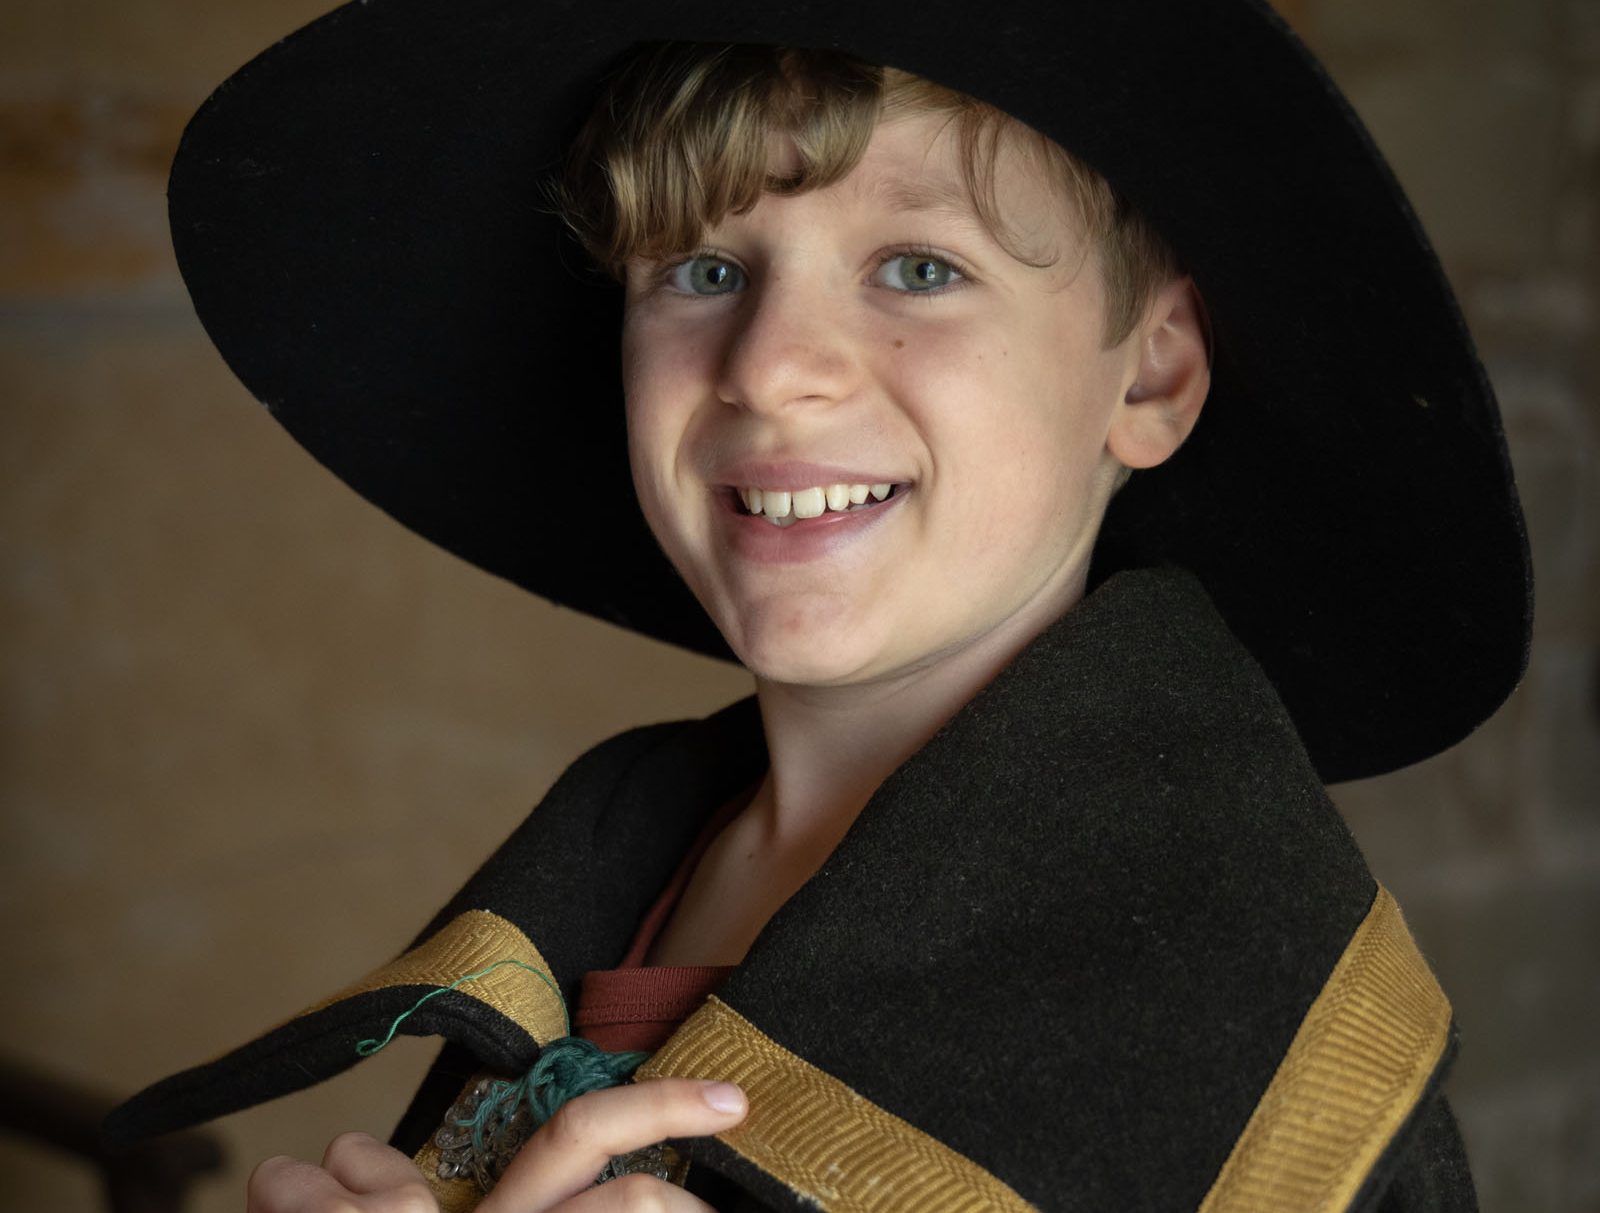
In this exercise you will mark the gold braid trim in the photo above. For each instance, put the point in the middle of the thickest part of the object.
(471, 941)
(1356, 1068)
(455, 1195)
(817, 1136)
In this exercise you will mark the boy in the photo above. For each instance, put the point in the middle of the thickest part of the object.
(1016, 884)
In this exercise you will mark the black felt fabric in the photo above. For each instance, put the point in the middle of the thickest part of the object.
(354, 213)
(1071, 937)
(1093, 909)
(446, 1078)
(576, 877)
(1431, 1175)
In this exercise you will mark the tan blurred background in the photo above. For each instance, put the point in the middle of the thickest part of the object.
(251, 732)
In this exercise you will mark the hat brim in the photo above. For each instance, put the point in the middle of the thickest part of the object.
(357, 215)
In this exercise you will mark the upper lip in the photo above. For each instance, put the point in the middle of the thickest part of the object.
(794, 474)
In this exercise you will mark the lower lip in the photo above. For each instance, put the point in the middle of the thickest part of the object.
(759, 540)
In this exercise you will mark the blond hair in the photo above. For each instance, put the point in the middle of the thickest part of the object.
(682, 137)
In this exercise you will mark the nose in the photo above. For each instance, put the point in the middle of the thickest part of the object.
(789, 347)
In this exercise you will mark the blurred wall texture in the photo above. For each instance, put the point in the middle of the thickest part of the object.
(251, 732)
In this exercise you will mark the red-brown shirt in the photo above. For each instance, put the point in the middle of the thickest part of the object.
(637, 1006)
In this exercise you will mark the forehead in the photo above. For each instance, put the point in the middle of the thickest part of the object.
(919, 165)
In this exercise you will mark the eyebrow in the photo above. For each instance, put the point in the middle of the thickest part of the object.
(927, 194)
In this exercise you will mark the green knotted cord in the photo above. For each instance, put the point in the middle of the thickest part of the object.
(568, 1066)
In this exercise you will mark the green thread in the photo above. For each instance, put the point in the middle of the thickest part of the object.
(568, 1067)
(367, 1048)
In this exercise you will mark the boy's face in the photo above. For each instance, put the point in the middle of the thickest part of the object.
(874, 333)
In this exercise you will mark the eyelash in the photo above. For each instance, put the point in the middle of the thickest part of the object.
(663, 275)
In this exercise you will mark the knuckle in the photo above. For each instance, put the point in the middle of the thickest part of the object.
(267, 1179)
(573, 1126)
(639, 1194)
(268, 1167)
(411, 1197)
(279, 1185)
(345, 1144)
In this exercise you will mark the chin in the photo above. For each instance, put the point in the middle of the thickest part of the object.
(802, 670)
(798, 661)
(798, 647)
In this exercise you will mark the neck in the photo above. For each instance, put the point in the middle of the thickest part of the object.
(830, 747)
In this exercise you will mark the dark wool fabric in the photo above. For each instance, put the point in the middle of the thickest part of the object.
(354, 213)
(1071, 938)
(1430, 1174)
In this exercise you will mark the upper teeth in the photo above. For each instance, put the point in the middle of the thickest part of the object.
(812, 502)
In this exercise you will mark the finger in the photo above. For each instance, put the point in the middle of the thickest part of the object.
(287, 1185)
(363, 1164)
(635, 1194)
(564, 1157)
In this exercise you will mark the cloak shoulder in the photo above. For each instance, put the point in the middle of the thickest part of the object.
(1102, 943)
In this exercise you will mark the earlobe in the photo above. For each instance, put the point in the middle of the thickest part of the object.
(1173, 376)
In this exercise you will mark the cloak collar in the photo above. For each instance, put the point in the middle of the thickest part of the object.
(1059, 958)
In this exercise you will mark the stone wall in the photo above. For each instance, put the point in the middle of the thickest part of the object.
(1490, 112)
(250, 730)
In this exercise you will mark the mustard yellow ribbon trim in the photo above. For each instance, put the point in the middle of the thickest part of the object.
(1356, 1068)
(817, 1136)
(471, 941)
(451, 1195)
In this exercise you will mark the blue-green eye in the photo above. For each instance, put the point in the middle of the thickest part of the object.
(706, 275)
(918, 272)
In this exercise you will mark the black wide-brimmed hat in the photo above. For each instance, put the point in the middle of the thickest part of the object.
(357, 214)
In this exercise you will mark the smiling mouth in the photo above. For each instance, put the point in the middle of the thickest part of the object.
(785, 507)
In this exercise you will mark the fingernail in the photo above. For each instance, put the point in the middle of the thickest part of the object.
(723, 1096)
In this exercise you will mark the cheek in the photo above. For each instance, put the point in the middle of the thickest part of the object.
(1020, 445)
(652, 454)
(649, 442)
(668, 370)
(639, 416)
(652, 383)
(996, 403)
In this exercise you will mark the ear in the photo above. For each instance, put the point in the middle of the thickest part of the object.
(1172, 375)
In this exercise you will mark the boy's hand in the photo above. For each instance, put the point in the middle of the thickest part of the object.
(553, 1173)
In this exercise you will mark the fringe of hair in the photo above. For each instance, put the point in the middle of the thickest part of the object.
(683, 136)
